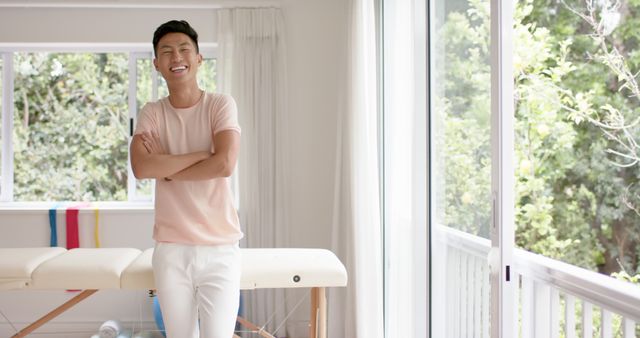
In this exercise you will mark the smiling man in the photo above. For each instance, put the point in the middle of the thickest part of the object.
(189, 142)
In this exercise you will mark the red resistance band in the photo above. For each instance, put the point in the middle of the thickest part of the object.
(73, 240)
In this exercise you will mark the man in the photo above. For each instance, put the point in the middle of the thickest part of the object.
(189, 142)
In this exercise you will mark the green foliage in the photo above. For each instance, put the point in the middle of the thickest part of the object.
(624, 276)
(71, 124)
(465, 116)
(70, 127)
(572, 202)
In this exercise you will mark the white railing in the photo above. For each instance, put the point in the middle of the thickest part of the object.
(555, 299)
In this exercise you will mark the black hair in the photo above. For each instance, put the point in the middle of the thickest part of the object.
(174, 26)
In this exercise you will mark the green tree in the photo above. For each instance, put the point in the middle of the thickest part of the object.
(70, 127)
(464, 109)
(570, 201)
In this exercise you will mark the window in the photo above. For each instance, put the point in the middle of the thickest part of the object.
(577, 159)
(577, 132)
(460, 138)
(71, 125)
(575, 126)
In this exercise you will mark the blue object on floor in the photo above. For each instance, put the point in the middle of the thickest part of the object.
(157, 313)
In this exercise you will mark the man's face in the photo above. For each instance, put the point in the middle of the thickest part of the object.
(177, 58)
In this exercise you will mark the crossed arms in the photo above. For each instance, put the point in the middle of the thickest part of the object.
(149, 159)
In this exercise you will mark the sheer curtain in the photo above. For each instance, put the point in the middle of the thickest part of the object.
(357, 311)
(405, 170)
(251, 67)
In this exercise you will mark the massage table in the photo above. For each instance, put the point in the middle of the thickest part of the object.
(93, 269)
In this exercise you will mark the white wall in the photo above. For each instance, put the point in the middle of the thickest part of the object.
(316, 52)
(316, 37)
(81, 25)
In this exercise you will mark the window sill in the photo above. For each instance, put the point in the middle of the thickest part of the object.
(83, 207)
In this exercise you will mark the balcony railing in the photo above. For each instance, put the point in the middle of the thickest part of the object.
(555, 299)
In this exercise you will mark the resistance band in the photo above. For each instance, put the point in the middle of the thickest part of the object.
(96, 229)
(53, 226)
(73, 239)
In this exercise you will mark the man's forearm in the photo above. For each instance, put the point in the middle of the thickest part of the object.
(161, 166)
(218, 165)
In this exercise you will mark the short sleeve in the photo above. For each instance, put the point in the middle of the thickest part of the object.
(225, 116)
(146, 120)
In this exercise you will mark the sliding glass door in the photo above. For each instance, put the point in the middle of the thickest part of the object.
(460, 163)
(471, 177)
(447, 117)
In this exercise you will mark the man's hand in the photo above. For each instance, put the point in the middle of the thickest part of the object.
(149, 159)
(152, 143)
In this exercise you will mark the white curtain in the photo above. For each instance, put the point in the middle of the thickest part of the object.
(405, 149)
(251, 67)
(357, 311)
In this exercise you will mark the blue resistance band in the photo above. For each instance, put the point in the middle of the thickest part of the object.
(52, 224)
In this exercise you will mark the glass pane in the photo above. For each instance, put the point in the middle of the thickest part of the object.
(460, 167)
(207, 75)
(70, 127)
(461, 117)
(162, 87)
(144, 188)
(578, 198)
(143, 82)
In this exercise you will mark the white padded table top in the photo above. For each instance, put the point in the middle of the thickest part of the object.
(17, 265)
(139, 274)
(113, 268)
(291, 268)
(84, 269)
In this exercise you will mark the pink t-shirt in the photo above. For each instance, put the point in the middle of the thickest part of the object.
(193, 212)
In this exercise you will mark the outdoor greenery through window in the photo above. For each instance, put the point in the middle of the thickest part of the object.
(576, 109)
(577, 129)
(70, 127)
(577, 124)
(576, 106)
(71, 123)
(460, 118)
(462, 123)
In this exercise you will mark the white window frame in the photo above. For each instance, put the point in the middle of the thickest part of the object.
(503, 281)
(136, 52)
(503, 277)
(6, 187)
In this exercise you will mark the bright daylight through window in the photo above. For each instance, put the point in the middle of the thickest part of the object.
(460, 167)
(577, 102)
(576, 156)
(70, 127)
(72, 122)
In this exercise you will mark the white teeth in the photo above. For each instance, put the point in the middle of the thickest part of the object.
(179, 68)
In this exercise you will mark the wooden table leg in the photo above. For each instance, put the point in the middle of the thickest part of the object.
(318, 320)
(56, 312)
(253, 327)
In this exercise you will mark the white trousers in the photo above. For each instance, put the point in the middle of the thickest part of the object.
(197, 284)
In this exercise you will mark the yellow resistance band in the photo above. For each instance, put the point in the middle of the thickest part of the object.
(96, 230)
